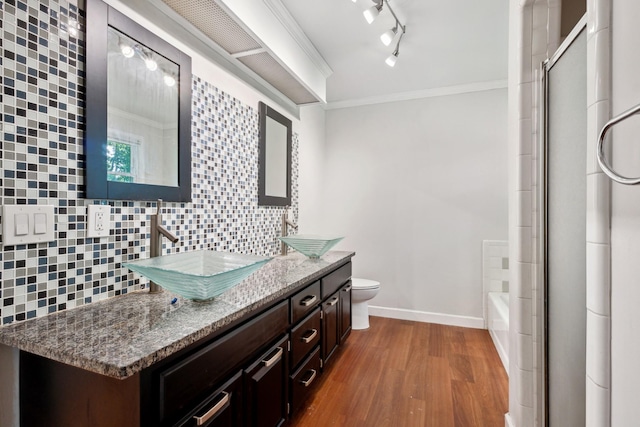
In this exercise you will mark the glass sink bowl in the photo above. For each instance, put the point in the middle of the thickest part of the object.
(311, 245)
(198, 275)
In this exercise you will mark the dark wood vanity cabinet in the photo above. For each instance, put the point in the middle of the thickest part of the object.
(336, 309)
(345, 311)
(330, 327)
(224, 408)
(266, 383)
(254, 373)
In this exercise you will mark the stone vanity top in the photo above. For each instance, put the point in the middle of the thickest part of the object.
(122, 335)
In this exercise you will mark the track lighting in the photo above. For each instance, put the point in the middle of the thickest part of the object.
(372, 13)
(391, 60)
(151, 64)
(388, 36)
(127, 51)
(169, 80)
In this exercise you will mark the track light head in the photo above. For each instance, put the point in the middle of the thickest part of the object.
(151, 64)
(372, 13)
(169, 80)
(391, 60)
(127, 51)
(388, 36)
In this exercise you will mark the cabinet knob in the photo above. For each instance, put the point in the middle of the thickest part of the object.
(333, 301)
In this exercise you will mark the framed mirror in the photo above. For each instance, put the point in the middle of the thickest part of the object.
(138, 111)
(274, 177)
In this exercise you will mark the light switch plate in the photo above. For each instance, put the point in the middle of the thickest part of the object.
(19, 224)
(98, 220)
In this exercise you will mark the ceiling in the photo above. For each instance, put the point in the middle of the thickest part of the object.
(447, 43)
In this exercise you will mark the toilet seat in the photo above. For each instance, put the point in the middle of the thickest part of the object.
(358, 283)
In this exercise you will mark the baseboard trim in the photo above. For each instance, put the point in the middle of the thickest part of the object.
(427, 317)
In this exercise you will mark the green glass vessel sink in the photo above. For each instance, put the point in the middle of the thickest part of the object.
(198, 275)
(311, 245)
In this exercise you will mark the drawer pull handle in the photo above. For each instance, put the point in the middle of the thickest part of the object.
(308, 300)
(333, 301)
(347, 288)
(273, 359)
(312, 377)
(214, 410)
(310, 337)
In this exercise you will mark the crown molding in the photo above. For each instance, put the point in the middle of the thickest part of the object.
(418, 94)
(290, 24)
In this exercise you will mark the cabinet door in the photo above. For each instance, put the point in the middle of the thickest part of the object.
(330, 331)
(266, 387)
(345, 311)
(222, 409)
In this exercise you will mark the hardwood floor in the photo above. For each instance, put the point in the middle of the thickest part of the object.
(408, 374)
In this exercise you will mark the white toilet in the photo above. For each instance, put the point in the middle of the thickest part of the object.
(363, 291)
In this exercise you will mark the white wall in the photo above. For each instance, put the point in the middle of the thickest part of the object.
(311, 166)
(625, 218)
(415, 187)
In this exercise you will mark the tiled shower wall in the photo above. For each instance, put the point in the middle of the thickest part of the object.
(42, 160)
(495, 270)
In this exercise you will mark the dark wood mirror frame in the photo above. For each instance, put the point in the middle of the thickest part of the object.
(100, 16)
(263, 198)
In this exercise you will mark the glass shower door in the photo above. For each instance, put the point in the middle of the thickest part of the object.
(565, 232)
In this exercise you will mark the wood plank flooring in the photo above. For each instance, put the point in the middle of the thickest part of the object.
(408, 374)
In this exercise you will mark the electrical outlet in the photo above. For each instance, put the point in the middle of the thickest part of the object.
(98, 220)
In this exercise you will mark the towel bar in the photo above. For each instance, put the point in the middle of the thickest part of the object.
(602, 161)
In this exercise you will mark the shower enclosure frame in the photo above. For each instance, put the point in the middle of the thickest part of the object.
(542, 201)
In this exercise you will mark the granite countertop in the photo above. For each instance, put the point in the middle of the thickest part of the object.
(121, 336)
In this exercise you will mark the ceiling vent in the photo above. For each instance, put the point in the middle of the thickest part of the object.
(214, 22)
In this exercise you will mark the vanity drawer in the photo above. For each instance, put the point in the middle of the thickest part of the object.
(303, 379)
(305, 301)
(304, 337)
(332, 281)
(190, 380)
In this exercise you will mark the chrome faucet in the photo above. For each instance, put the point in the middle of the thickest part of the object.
(286, 223)
(157, 231)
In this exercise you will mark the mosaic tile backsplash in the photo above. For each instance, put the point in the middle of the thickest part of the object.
(42, 160)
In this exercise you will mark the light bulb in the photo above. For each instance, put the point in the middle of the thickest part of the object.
(169, 80)
(372, 13)
(127, 51)
(151, 64)
(388, 36)
(391, 60)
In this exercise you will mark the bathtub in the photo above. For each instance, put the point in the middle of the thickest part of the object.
(498, 324)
